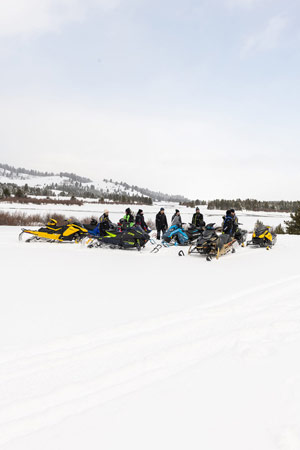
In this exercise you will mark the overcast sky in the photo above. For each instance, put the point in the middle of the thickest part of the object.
(198, 97)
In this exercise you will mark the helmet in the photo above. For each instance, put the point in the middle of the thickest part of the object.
(128, 211)
(106, 211)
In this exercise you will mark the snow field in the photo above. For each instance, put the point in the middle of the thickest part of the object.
(123, 349)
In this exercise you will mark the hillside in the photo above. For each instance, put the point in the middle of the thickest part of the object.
(71, 184)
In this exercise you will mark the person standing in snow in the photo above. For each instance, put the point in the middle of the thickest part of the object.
(161, 222)
(140, 220)
(176, 219)
(228, 225)
(197, 219)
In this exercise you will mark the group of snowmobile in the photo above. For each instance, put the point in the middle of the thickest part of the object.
(204, 239)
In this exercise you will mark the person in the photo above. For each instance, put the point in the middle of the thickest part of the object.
(228, 224)
(104, 222)
(176, 211)
(239, 235)
(140, 220)
(197, 219)
(176, 219)
(128, 219)
(161, 222)
(235, 221)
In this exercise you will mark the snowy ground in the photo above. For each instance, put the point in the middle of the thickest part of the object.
(111, 349)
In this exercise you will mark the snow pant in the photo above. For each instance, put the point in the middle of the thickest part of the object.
(158, 233)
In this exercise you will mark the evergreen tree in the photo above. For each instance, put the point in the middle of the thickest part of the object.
(279, 229)
(293, 225)
(6, 192)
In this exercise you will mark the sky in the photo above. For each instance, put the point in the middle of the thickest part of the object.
(197, 97)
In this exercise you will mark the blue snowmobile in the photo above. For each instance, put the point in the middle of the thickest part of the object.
(184, 235)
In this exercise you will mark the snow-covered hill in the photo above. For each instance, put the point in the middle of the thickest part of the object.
(113, 349)
(21, 179)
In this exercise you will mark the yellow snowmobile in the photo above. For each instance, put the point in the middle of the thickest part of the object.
(71, 232)
(263, 236)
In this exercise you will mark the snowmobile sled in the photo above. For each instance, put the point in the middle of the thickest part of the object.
(71, 232)
(181, 236)
(241, 236)
(263, 236)
(131, 237)
(211, 243)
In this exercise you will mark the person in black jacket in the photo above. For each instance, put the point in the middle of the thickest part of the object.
(197, 219)
(104, 222)
(161, 222)
(228, 225)
(140, 220)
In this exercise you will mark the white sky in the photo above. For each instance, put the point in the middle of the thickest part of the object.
(193, 97)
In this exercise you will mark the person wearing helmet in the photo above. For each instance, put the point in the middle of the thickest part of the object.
(197, 219)
(104, 222)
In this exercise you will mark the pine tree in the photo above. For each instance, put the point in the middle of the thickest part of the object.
(279, 229)
(293, 225)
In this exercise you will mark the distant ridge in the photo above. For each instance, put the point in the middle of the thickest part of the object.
(49, 183)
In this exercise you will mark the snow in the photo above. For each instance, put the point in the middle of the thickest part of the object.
(21, 179)
(119, 349)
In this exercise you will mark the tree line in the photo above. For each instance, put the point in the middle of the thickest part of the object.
(254, 205)
(11, 190)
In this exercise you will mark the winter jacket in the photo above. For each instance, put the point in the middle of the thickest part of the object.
(198, 220)
(161, 222)
(104, 224)
(129, 219)
(139, 220)
(176, 220)
(228, 225)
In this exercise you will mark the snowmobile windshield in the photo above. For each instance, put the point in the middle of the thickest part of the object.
(260, 229)
(78, 224)
(207, 234)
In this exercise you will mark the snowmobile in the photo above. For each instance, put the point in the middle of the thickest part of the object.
(211, 243)
(184, 235)
(263, 236)
(71, 232)
(241, 236)
(116, 237)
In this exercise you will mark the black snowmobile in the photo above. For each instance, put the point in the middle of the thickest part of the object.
(263, 236)
(119, 236)
(241, 236)
(71, 232)
(213, 243)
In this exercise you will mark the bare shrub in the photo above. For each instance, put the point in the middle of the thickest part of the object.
(151, 224)
(22, 219)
